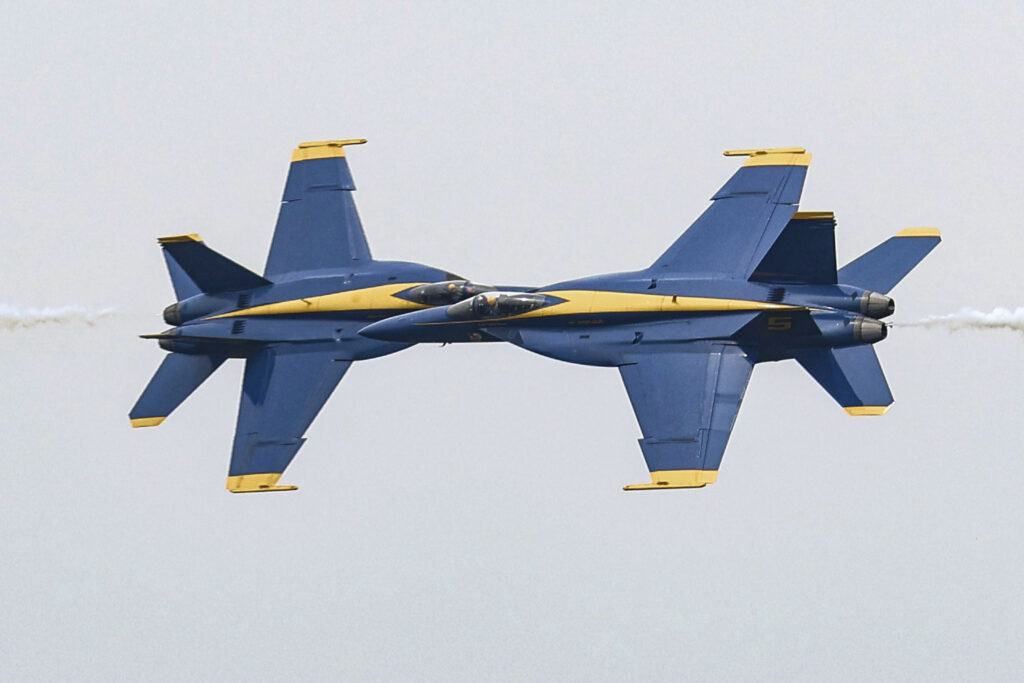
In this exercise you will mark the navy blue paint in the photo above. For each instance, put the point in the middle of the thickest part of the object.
(293, 362)
(686, 371)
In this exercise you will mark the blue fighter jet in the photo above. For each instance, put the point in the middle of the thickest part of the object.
(752, 280)
(296, 326)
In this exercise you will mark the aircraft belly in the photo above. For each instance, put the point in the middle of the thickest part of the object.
(612, 345)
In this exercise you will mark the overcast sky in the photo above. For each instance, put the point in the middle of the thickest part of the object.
(460, 513)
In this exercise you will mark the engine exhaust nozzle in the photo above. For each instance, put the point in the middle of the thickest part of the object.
(875, 305)
(869, 330)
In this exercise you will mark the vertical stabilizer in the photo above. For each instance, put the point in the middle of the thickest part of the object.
(194, 266)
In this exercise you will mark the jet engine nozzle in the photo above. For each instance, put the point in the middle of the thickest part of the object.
(172, 315)
(869, 330)
(875, 305)
(446, 293)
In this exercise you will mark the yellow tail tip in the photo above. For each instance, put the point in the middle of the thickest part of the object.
(867, 410)
(173, 239)
(919, 232)
(147, 421)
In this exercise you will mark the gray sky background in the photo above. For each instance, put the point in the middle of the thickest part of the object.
(460, 514)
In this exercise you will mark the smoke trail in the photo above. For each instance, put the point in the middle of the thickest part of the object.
(970, 319)
(16, 317)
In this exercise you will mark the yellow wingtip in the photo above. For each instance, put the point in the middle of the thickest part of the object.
(772, 156)
(676, 479)
(919, 232)
(147, 421)
(256, 483)
(765, 150)
(323, 149)
(867, 410)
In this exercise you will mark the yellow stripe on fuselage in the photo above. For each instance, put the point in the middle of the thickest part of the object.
(379, 298)
(585, 301)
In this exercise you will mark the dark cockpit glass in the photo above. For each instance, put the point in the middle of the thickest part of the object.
(444, 293)
(496, 305)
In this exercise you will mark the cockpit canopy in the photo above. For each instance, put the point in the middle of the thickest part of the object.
(444, 293)
(496, 305)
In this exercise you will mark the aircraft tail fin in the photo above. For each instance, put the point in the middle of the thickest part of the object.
(177, 377)
(883, 267)
(803, 253)
(851, 375)
(195, 268)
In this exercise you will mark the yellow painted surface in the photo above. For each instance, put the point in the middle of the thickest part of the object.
(766, 150)
(147, 421)
(171, 239)
(919, 232)
(775, 156)
(255, 483)
(367, 299)
(323, 149)
(812, 215)
(867, 410)
(676, 479)
(590, 301)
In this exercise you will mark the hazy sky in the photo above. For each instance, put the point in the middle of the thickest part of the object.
(460, 515)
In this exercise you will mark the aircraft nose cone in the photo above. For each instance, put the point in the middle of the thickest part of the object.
(386, 330)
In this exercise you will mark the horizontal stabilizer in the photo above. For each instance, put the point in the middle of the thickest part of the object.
(175, 380)
(883, 267)
(194, 266)
(805, 252)
(851, 375)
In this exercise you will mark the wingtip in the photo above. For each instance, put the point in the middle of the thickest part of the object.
(772, 156)
(256, 483)
(676, 479)
(762, 151)
(323, 149)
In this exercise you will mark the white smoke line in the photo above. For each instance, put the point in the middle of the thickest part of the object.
(970, 319)
(16, 317)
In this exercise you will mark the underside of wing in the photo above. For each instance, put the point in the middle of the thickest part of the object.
(686, 403)
(746, 217)
(285, 386)
(318, 227)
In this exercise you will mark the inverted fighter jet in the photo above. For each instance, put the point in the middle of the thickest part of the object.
(752, 280)
(296, 326)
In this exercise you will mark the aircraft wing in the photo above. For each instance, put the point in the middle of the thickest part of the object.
(283, 390)
(686, 403)
(318, 227)
(746, 217)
